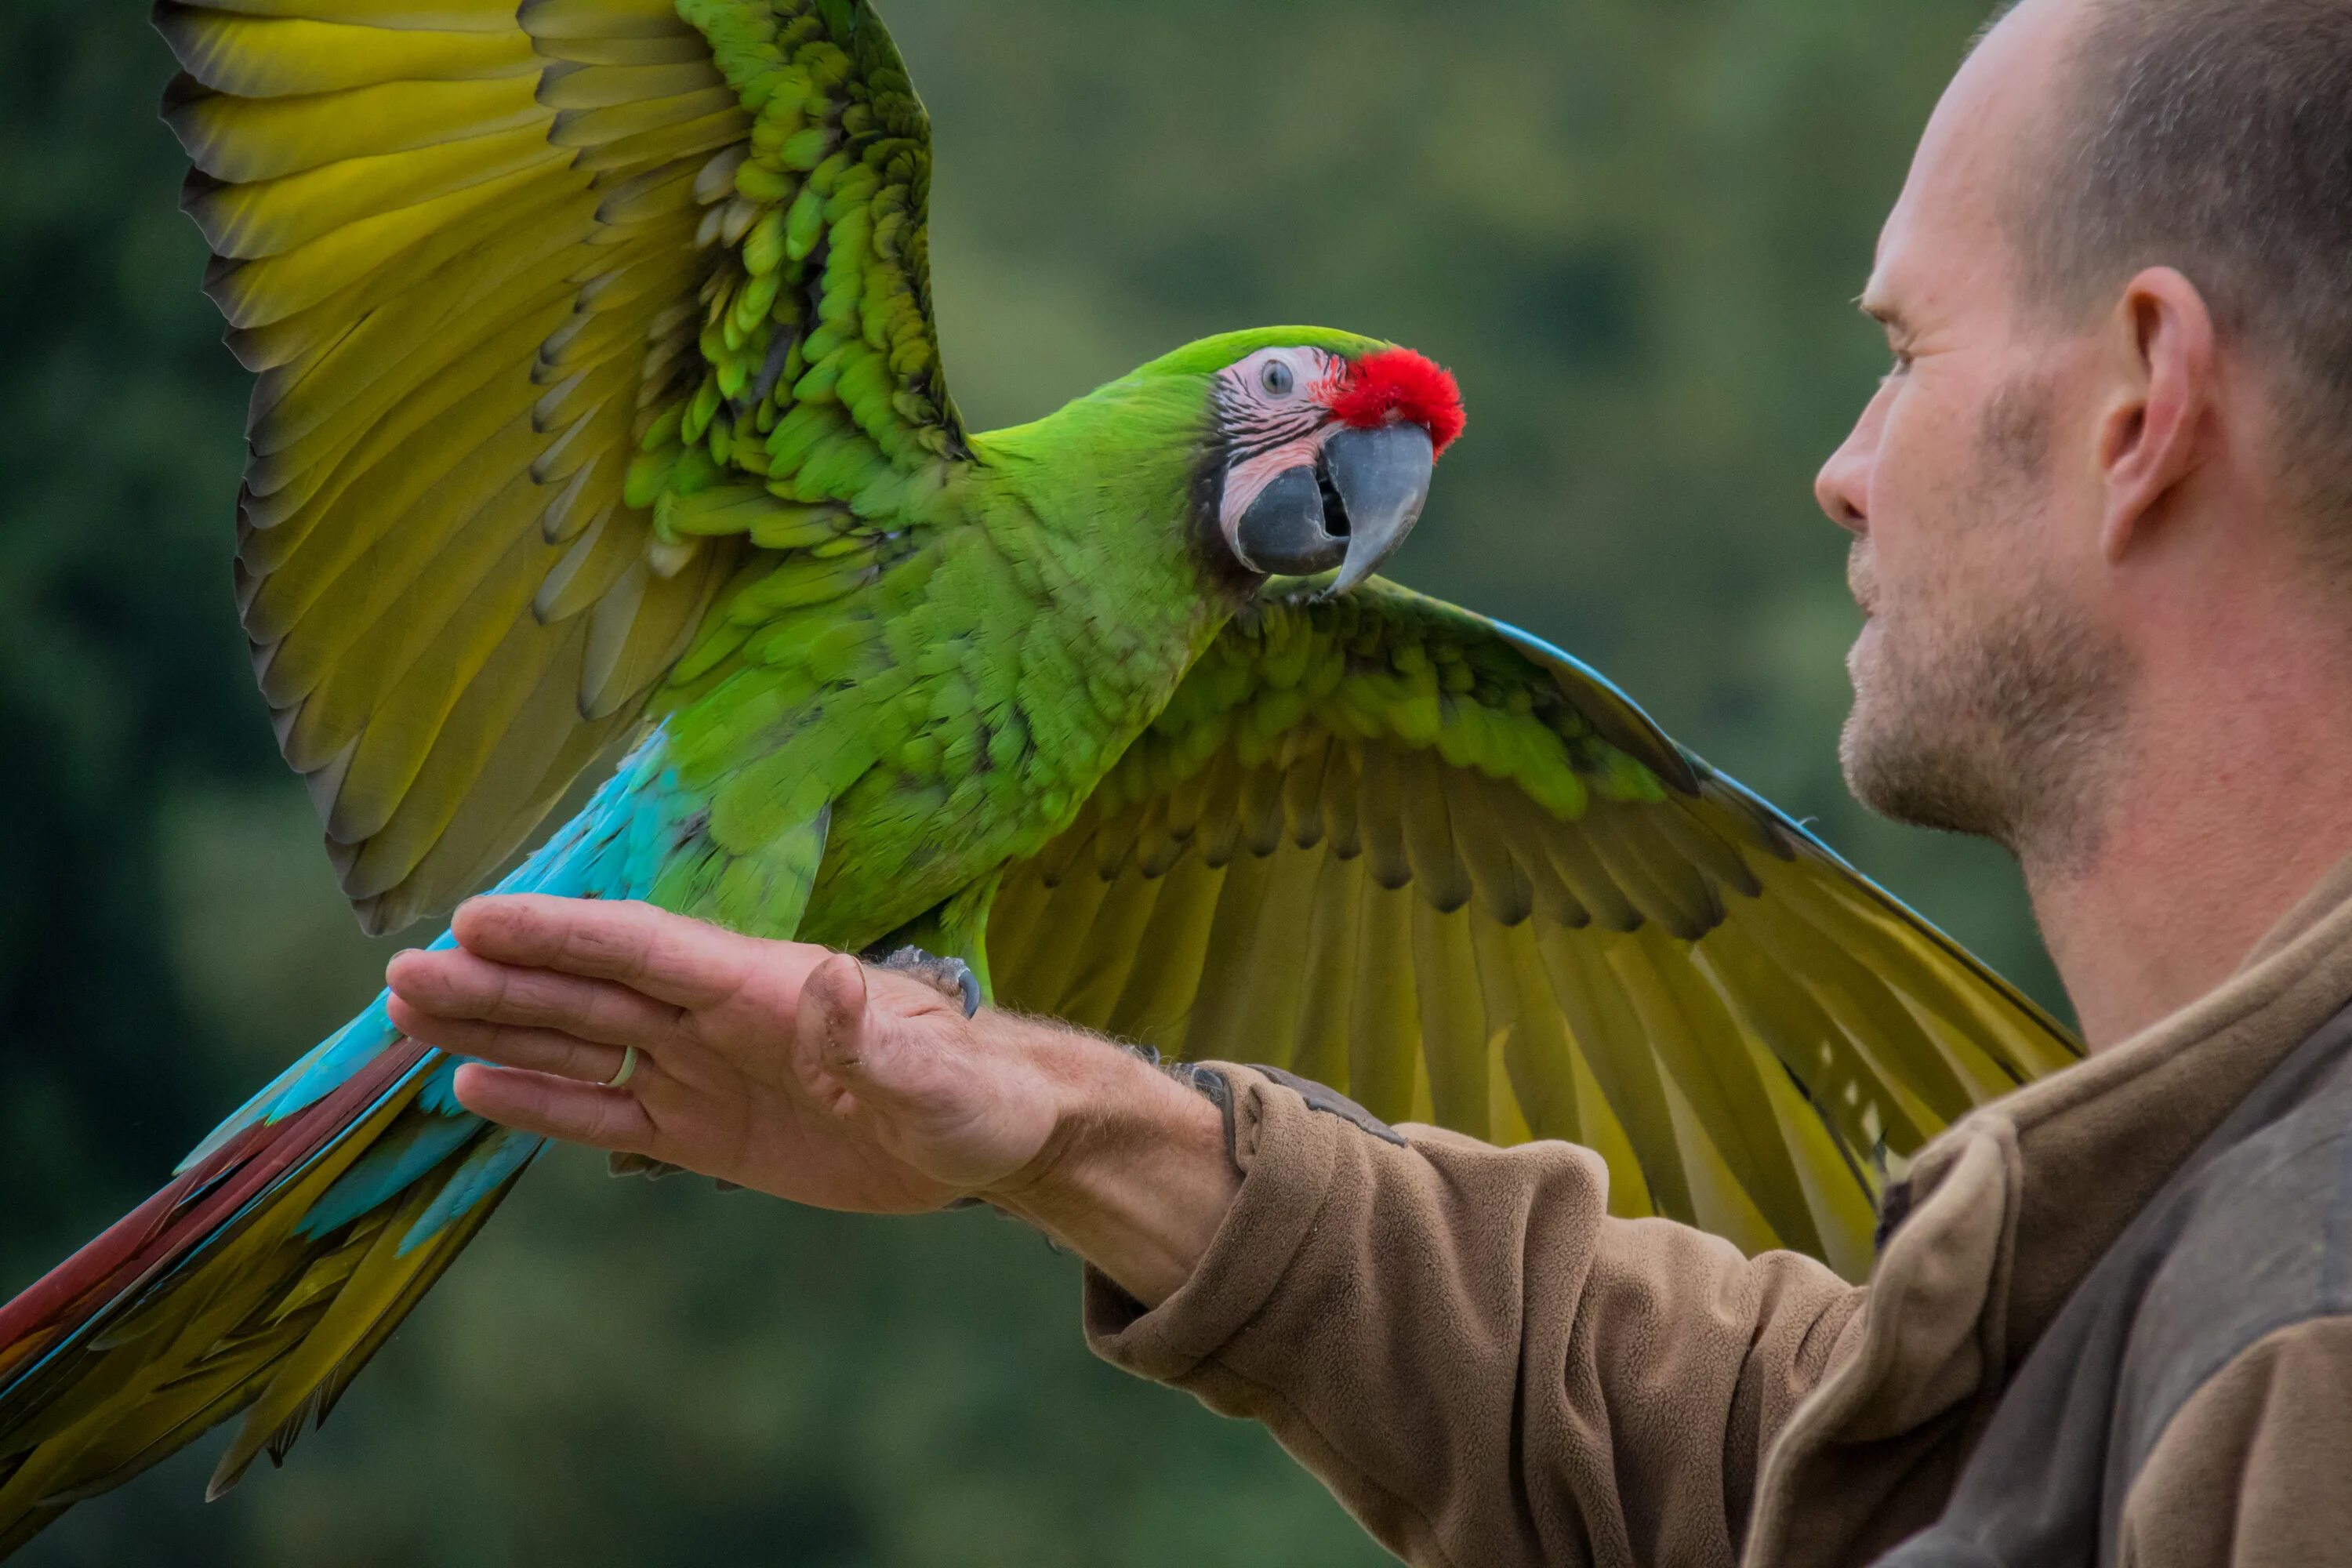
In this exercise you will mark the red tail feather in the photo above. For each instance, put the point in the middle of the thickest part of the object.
(189, 1211)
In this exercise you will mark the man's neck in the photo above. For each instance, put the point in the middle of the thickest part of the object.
(2238, 801)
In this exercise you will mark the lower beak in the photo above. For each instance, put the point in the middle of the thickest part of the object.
(1292, 529)
(1351, 509)
(1383, 480)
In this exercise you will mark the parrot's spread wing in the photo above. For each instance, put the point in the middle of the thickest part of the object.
(1438, 865)
(571, 324)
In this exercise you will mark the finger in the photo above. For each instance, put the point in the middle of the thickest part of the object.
(536, 1050)
(833, 1016)
(685, 963)
(450, 982)
(556, 1107)
(854, 1047)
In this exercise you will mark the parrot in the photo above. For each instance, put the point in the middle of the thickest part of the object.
(598, 411)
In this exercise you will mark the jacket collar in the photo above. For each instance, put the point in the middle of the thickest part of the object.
(2007, 1211)
(2089, 1145)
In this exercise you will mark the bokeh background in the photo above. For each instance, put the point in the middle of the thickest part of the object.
(1633, 226)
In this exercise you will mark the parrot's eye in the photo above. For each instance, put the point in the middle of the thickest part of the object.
(1275, 378)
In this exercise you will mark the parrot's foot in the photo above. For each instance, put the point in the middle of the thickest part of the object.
(617, 1164)
(952, 977)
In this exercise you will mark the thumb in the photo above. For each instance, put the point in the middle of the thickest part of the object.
(875, 1064)
(913, 1082)
(859, 1052)
(831, 1021)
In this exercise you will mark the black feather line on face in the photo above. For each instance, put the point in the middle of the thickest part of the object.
(1242, 430)
(1260, 431)
(1216, 460)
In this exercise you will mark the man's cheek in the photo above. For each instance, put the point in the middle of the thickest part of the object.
(1910, 471)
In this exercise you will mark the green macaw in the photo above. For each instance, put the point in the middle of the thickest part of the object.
(598, 396)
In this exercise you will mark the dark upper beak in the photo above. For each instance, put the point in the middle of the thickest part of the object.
(1351, 509)
(1382, 478)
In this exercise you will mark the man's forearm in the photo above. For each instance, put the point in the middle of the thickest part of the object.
(1137, 1176)
(1481, 1363)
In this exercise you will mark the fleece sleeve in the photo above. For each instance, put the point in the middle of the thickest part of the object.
(1480, 1364)
(2256, 1466)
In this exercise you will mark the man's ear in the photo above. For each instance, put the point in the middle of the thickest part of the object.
(2162, 346)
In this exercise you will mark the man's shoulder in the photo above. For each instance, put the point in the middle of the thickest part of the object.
(2264, 1243)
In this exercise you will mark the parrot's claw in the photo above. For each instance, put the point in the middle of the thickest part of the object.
(617, 1164)
(952, 977)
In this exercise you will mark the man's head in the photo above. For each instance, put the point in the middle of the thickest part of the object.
(2118, 287)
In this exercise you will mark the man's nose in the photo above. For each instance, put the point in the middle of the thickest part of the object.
(1842, 487)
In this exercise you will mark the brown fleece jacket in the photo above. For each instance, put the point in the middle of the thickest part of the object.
(1486, 1369)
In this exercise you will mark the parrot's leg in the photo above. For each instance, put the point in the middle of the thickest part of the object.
(946, 947)
(952, 977)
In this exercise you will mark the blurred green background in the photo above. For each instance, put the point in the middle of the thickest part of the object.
(1633, 226)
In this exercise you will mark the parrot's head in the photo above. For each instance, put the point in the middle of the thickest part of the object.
(1319, 450)
(1323, 458)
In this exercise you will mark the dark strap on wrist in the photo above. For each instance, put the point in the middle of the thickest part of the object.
(1322, 1097)
(1213, 1083)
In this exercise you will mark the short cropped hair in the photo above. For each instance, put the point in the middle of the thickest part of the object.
(2213, 136)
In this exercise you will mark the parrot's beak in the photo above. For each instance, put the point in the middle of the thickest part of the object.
(1383, 480)
(1293, 529)
(1350, 509)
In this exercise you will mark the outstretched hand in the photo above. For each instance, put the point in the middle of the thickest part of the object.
(801, 1072)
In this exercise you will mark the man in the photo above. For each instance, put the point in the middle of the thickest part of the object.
(2102, 512)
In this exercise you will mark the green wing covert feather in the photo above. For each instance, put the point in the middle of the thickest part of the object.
(1445, 869)
(568, 325)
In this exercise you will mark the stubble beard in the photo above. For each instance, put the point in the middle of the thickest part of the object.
(2012, 725)
(2012, 731)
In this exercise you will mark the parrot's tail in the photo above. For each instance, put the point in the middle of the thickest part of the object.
(289, 1246)
(260, 1279)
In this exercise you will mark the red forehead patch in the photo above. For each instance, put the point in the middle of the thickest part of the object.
(1398, 383)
